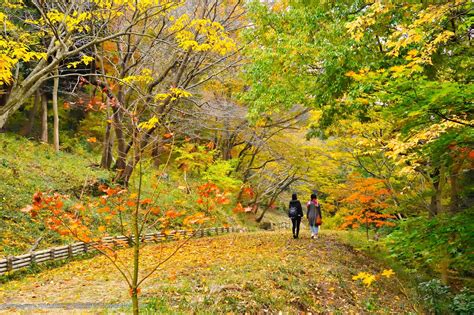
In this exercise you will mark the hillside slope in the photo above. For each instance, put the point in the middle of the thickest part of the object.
(29, 166)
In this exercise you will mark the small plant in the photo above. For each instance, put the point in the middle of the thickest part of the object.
(435, 294)
(463, 302)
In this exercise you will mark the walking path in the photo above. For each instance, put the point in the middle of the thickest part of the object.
(246, 272)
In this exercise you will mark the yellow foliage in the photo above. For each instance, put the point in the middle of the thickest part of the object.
(84, 59)
(151, 123)
(175, 94)
(18, 4)
(357, 28)
(202, 35)
(388, 273)
(366, 278)
(145, 77)
(12, 52)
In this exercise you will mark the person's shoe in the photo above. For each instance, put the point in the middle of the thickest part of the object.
(294, 236)
(312, 235)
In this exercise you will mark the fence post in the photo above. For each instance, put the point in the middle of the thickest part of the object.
(9, 263)
(69, 251)
(217, 230)
(51, 253)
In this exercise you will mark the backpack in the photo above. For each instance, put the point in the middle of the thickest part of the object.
(293, 212)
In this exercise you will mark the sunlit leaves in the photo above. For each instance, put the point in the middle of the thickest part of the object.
(202, 35)
(368, 278)
(359, 26)
(388, 273)
(12, 52)
(173, 95)
(151, 123)
(145, 77)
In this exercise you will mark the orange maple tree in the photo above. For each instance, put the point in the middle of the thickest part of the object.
(367, 202)
(117, 211)
(210, 196)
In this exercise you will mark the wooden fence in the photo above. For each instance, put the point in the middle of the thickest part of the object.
(13, 263)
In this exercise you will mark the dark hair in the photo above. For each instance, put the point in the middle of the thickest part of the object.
(313, 196)
(294, 196)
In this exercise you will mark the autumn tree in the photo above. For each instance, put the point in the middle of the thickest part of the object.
(155, 76)
(367, 202)
(117, 211)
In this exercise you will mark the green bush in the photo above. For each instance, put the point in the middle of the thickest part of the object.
(463, 302)
(435, 295)
(439, 299)
(424, 243)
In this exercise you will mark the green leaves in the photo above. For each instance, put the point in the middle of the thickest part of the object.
(423, 243)
(295, 53)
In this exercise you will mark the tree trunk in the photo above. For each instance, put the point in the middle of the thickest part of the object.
(26, 130)
(44, 118)
(55, 110)
(121, 145)
(366, 225)
(123, 175)
(444, 265)
(435, 205)
(136, 245)
(135, 302)
(272, 200)
(119, 133)
(4, 96)
(107, 157)
(22, 92)
(260, 218)
(156, 153)
(453, 179)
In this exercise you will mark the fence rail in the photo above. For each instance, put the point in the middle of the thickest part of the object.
(13, 263)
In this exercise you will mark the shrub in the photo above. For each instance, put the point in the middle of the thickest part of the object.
(423, 243)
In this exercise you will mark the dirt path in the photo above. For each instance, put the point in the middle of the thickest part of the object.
(249, 272)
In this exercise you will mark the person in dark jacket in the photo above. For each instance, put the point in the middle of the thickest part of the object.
(295, 213)
(314, 211)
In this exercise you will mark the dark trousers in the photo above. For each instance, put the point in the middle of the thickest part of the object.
(296, 226)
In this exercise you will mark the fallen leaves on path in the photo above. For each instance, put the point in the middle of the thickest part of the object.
(246, 272)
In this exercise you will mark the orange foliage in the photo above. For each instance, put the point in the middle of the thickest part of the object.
(78, 221)
(210, 196)
(366, 201)
(238, 208)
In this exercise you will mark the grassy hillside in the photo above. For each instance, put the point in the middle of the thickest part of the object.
(29, 166)
(248, 272)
